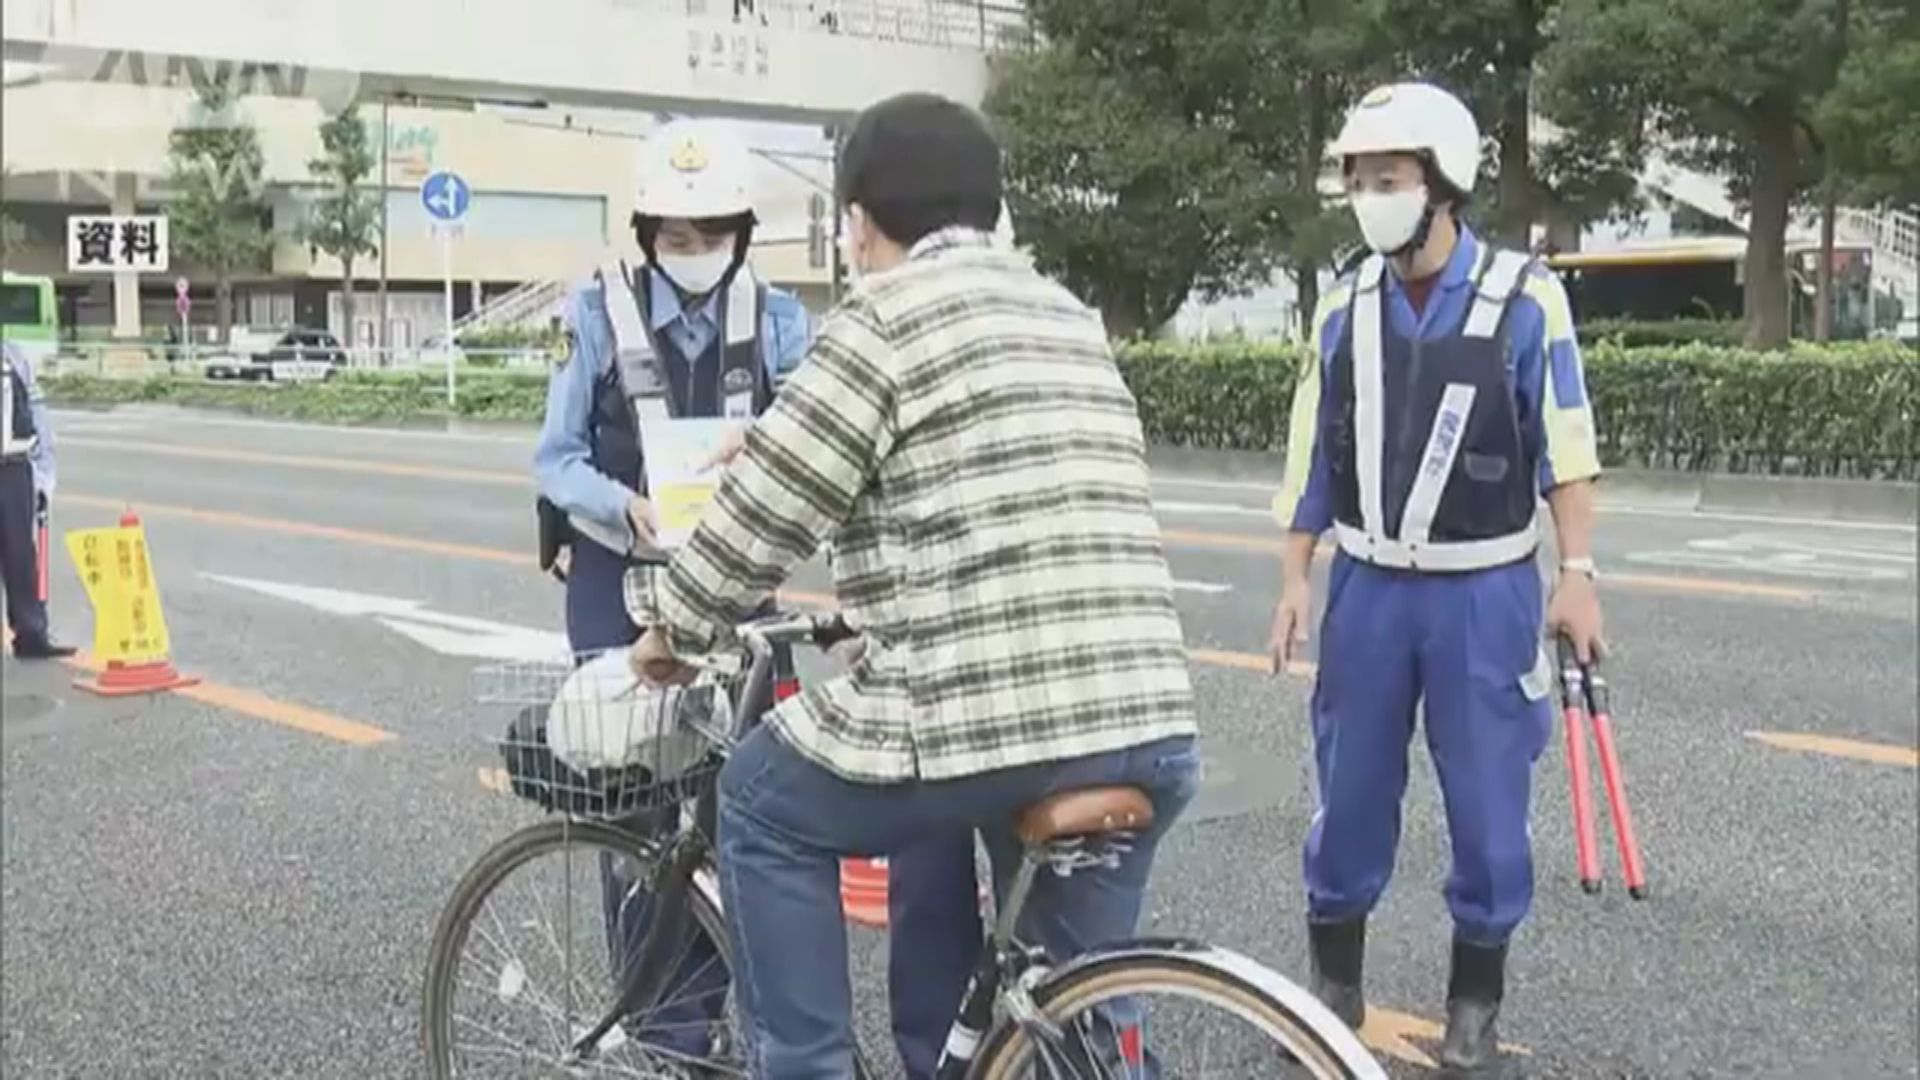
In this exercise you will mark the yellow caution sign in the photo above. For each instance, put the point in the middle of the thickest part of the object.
(128, 627)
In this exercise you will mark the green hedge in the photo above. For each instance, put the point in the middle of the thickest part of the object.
(1842, 410)
(1632, 334)
(350, 398)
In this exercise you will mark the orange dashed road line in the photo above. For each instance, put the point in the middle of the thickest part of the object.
(1189, 538)
(1855, 749)
(1212, 657)
(261, 707)
(301, 461)
(301, 528)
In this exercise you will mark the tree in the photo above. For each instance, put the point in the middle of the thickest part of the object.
(1731, 85)
(344, 222)
(1123, 170)
(1487, 52)
(1483, 51)
(218, 218)
(1871, 118)
(1306, 63)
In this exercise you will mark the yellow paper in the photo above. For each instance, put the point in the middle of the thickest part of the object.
(127, 624)
(678, 484)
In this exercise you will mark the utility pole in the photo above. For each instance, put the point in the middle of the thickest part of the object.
(1823, 298)
(834, 208)
(386, 143)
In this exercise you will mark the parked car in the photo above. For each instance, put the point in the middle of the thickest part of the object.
(290, 354)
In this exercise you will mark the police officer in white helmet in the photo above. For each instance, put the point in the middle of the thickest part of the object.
(686, 331)
(1447, 400)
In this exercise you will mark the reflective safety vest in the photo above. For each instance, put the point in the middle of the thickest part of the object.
(18, 436)
(1431, 467)
(639, 387)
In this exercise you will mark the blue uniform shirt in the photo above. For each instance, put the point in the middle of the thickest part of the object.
(41, 456)
(561, 459)
(1549, 383)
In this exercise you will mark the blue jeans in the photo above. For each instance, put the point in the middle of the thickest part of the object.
(785, 822)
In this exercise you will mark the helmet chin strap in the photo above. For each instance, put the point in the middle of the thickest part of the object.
(1420, 234)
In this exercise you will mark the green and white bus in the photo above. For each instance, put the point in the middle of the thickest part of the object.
(29, 317)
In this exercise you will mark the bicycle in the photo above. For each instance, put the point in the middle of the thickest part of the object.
(1023, 1013)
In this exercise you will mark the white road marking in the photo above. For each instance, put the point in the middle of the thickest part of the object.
(1631, 510)
(1201, 509)
(1265, 488)
(1207, 587)
(448, 635)
(1787, 556)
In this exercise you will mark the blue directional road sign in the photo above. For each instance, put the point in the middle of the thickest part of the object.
(446, 196)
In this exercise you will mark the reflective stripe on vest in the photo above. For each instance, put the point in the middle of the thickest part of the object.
(1412, 549)
(646, 383)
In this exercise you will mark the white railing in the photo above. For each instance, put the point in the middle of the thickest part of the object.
(957, 24)
(525, 303)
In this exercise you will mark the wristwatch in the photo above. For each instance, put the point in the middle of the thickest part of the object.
(1582, 565)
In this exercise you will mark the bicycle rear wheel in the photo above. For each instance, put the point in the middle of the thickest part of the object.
(1155, 1009)
(539, 980)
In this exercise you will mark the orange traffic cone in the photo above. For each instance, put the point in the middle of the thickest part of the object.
(121, 679)
(863, 891)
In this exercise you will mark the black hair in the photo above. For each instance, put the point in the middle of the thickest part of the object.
(918, 163)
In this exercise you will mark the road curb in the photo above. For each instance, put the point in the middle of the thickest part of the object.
(1891, 501)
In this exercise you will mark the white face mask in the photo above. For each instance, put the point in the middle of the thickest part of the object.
(698, 274)
(1389, 219)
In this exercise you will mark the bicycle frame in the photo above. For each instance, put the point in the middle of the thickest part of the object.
(1008, 970)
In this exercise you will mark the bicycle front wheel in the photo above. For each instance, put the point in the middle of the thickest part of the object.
(529, 956)
(1153, 1009)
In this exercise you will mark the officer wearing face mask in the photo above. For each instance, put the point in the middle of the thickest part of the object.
(1447, 401)
(687, 332)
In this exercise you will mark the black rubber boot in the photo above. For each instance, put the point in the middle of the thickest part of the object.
(1471, 1049)
(1338, 949)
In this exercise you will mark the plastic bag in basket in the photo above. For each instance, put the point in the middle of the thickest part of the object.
(606, 717)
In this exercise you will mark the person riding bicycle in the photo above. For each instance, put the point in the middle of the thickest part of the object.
(693, 318)
(1447, 402)
(961, 433)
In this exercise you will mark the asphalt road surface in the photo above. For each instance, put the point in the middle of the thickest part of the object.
(243, 882)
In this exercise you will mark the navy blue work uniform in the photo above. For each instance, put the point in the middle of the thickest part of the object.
(26, 478)
(1424, 440)
(636, 352)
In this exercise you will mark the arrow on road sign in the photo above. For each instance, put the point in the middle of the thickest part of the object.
(448, 635)
(446, 196)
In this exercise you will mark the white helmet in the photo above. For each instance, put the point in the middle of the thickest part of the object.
(694, 169)
(1411, 118)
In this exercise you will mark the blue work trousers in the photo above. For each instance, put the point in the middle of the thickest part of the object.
(1468, 645)
(693, 1001)
(935, 936)
(785, 823)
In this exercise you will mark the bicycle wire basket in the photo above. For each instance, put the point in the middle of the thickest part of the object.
(588, 738)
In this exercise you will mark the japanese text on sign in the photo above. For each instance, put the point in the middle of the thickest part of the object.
(100, 244)
(716, 51)
(127, 624)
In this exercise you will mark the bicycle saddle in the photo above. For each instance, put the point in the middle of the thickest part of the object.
(1085, 811)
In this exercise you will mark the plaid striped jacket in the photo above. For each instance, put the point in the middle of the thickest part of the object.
(960, 434)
